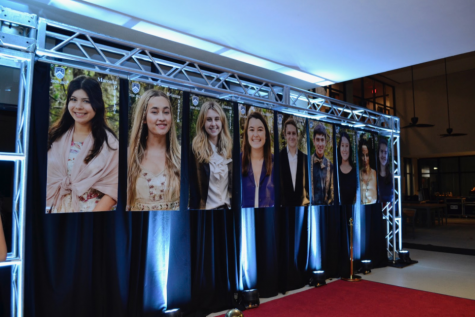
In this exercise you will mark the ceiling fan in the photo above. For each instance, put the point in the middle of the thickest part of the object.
(414, 120)
(449, 130)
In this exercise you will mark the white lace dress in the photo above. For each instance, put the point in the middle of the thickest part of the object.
(151, 192)
(88, 200)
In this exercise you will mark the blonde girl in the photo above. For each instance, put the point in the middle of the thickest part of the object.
(211, 165)
(154, 157)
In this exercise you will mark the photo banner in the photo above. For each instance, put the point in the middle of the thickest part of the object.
(367, 167)
(211, 162)
(256, 129)
(83, 149)
(293, 145)
(154, 147)
(321, 162)
(385, 169)
(347, 168)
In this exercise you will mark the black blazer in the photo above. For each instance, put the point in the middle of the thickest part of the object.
(299, 196)
(199, 182)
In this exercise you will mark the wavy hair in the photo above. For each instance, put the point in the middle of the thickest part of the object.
(344, 134)
(201, 147)
(384, 141)
(138, 146)
(99, 126)
(246, 148)
(364, 142)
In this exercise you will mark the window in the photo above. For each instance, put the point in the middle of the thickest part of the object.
(441, 176)
(374, 94)
(409, 177)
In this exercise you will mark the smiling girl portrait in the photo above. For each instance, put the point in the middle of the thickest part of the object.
(211, 155)
(154, 155)
(257, 158)
(82, 173)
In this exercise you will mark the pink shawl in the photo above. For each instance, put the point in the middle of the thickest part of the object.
(101, 173)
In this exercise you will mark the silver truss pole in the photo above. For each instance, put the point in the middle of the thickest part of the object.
(17, 46)
(26, 133)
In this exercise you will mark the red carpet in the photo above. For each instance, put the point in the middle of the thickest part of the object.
(357, 299)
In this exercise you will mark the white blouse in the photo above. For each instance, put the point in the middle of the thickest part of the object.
(151, 191)
(218, 181)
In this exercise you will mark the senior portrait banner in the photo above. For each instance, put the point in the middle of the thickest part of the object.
(367, 168)
(211, 162)
(294, 176)
(154, 147)
(321, 162)
(83, 149)
(385, 168)
(256, 129)
(347, 169)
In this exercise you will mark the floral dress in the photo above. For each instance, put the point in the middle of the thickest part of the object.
(151, 192)
(88, 200)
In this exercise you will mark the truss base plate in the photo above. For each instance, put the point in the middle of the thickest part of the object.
(400, 264)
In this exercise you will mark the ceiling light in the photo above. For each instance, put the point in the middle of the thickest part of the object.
(325, 83)
(300, 75)
(174, 36)
(91, 11)
(250, 59)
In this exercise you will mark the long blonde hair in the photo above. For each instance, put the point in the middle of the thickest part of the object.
(138, 145)
(201, 147)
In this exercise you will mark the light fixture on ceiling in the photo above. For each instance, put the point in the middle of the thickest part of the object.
(415, 120)
(449, 130)
(94, 10)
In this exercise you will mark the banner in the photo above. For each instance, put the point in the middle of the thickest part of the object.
(385, 168)
(256, 128)
(346, 153)
(211, 162)
(154, 147)
(293, 144)
(367, 168)
(83, 149)
(321, 162)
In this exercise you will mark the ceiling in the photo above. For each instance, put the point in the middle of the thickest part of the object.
(337, 40)
(431, 69)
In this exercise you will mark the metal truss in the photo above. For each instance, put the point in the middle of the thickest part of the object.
(72, 46)
(76, 47)
(17, 44)
(392, 211)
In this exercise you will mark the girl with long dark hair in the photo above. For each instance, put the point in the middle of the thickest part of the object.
(347, 171)
(385, 182)
(83, 153)
(257, 162)
(368, 181)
